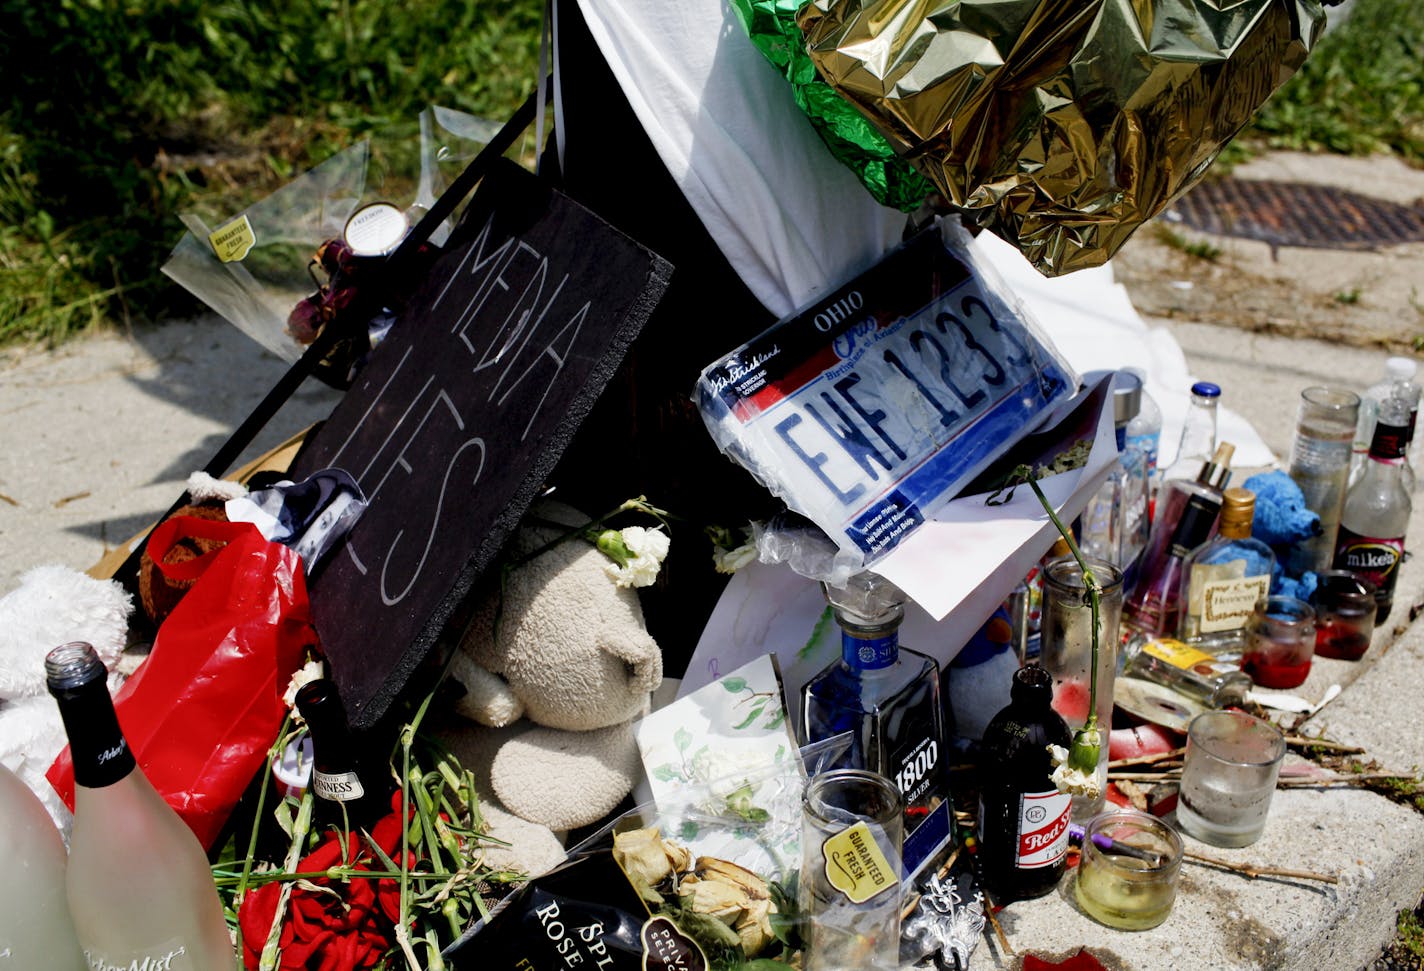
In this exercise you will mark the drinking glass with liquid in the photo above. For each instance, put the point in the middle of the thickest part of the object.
(1320, 465)
(1127, 874)
(1228, 777)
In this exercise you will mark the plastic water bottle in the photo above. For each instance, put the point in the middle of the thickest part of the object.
(1144, 432)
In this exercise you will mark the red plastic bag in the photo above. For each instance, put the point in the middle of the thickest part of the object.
(202, 711)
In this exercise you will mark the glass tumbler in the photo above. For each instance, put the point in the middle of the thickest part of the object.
(852, 830)
(1320, 465)
(1228, 777)
(1345, 611)
(1067, 651)
(1127, 875)
(1280, 642)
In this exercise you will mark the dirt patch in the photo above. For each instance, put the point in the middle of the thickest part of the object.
(1365, 298)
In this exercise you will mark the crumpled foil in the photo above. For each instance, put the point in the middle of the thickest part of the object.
(1060, 125)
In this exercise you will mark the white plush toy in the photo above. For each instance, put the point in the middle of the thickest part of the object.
(52, 606)
(558, 684)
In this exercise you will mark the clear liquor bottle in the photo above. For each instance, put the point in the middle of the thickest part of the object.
(1215, 681)
(138, 882)
(35, 929)
(1198, 441)
(1376, 511)
(1172, 502)
(1155, 605)
(1114, 524)
(888, 698)
(1222, 580)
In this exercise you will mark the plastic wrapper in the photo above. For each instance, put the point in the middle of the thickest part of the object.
(870, 409)
(258, 268)
(1061, 125)
(201, 712)
(708, 882)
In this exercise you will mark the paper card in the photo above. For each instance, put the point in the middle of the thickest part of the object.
(722, 762)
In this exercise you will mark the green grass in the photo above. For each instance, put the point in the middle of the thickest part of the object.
(137, 110)
(1199, 249)
(1360, 91)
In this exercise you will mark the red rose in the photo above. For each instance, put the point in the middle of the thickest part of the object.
(346, 925)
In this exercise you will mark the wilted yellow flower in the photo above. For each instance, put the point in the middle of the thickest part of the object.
(735, 896)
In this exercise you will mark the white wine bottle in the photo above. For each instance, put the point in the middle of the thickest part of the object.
(35, 929)
(140, 890)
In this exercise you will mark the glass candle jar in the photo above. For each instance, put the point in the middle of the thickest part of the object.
(851, 837)
(1127, 875)
(1345, 614)
(1280, 642)
(1067, 651)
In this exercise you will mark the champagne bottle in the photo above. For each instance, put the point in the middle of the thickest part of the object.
(35, 929)
(139, 886)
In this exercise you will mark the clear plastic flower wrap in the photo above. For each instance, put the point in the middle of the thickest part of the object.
(710, 882)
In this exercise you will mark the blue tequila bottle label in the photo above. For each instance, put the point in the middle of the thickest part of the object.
(869, 653)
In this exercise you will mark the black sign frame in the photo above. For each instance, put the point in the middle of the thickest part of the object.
(533, 305)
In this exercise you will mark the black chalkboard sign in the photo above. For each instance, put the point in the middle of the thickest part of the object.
(461, 414)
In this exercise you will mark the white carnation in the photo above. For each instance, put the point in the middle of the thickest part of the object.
(730, 561)
(310, 671)
(649, 547)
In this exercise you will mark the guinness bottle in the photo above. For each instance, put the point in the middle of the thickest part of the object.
(348, 793)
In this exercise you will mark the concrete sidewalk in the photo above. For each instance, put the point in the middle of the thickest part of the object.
(100, 435)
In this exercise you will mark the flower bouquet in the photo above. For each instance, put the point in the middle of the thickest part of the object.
(394, 894)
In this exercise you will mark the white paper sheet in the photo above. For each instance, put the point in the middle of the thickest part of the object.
(968, 561)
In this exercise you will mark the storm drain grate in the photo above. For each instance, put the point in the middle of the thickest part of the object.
(1297, 214)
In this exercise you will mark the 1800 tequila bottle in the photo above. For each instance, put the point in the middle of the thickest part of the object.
(887, 697)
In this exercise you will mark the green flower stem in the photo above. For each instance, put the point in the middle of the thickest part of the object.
(1092, 596)
(300, 827)
(592, 528)
(272, 753)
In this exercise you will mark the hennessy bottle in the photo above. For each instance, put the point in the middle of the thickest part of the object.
(138, 882)
(1222, 580)
(887, 697)
(1023, 818)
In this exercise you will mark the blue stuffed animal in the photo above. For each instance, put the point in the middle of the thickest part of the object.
(1282, 520)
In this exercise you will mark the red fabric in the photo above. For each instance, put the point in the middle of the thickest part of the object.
(201, 712)
(1082, 961)
(346, 925)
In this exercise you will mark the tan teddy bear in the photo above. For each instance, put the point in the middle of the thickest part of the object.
(556, 671)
